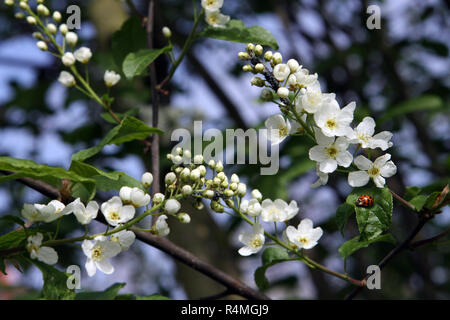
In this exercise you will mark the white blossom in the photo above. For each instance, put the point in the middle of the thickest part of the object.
(84, 214)
(43, 213)
(278, 128)
(68, 59)
(66, 79)
(111, 78)
(71, 38)
(139, 198)
(212, 4)
(278, 210)
(281, 72)
(378, 170)
(305, 79)
(330, 152)
(253, 241)
(83, 54)
(335, 121)
(161, 226)
(116, 213)
(323, 178)
(124, 238)
(305, 236)
(98, 253)
(252, 208)
(216, 19)
(363, 134)
(47, 255)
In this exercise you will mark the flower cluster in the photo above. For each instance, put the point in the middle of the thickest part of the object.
(305, 109)
(50, 28)
(213, 16)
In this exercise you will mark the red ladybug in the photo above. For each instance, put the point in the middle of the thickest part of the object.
(364, 201)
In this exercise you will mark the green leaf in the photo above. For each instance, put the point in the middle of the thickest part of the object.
(109, 294)
(431, 199)
(55, 283)
(377, 219)
(270, 257)
(129, 129)
(12, 239)
(136, 62)
(353, 245)
(108, 118)
(418, 202)
(236, 31)
(343, 212)
(104, 181)
(422, 103)
(411, 192)
(130, 38)
(51, 175)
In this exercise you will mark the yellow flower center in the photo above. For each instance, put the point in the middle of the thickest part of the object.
(303, 240)
(332, 152)
(210, 2)
(114, 216)
(273, 211)
(331, 124)
(97, 253)
(373, 171)
(256, 243)
(213, 19)
(282, 131)
(363, 137)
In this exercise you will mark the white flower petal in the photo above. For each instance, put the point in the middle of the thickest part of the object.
(358, 178)
(388, 170)
(363, 163)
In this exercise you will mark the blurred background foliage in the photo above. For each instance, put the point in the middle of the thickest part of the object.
(399, 75)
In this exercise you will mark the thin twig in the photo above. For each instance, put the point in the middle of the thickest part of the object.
(420, 243)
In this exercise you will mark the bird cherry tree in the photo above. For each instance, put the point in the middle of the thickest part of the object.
(339, 146)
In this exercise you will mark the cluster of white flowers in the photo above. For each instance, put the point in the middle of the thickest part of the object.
(305, 109)
(213, 16)
(50, 26)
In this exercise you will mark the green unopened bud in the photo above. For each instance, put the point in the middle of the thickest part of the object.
(185, 174)
(42, 45)
(23, 5)
(212, 164)
(233, 186)
(31, 20)
(258, 82)
(243, 55)
(209, 194)
(229, 202)
(166, 32)
(57, 16)
(247, 68)
(170, 178)
(259, 67)
(217, 207)
(199, 205)
(258, 50)
(184, 217)
(219, 166)
(19, 15)
(43, 10)
(186, 190)
(267, 94)
(268, 55)
(9, 2)
(38, 36)
(228, 193)
(250, 48)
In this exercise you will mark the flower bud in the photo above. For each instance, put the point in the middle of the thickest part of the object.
(42, 45)
(221, 176)
(179, 151)
(83, 54)
(9, 2)
(250, 47)
(259, 67)
(147, 179)
(195, 175)
(228, 193)
(63, 29)
(202, 170)
(219, 166)
(185, 174)
(234, 178)
(52, 28)
(293, 65)
(258, 50)
(256, 194)
(125, 194)
(257, 82)
(267, 94)
(234, 186)
(283, 92)
(170, 178)
(186, 190)
(71, 38)
(19, 15)
(23, 5)
(31, 20)
(184, 217)
(166, 32)
(217, 207)
(66, 79)
(243, 55)
(229, 202)
(43, 10)
(241, 190)
(277, 58)
(199, 204)
(158, 198)
(177, 159)
(292, 80)
(198, 159)
(68, 59)
(57, 16)
(209, 194)
(111, 78)
(172, 206)
(247, 68)
(268, 55)
(212, 164)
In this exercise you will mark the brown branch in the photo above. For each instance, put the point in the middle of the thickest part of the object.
(155, 100)
(165, 245)
(402, 246)
(420, 243)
